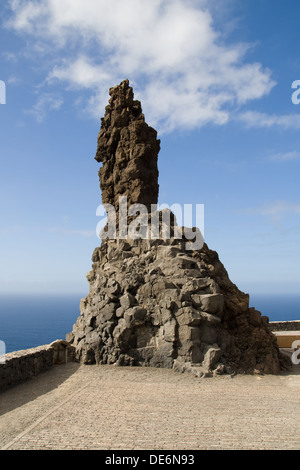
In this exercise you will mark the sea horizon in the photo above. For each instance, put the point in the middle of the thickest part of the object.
(29, 320)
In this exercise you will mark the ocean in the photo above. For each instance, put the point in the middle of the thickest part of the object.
(27, 321)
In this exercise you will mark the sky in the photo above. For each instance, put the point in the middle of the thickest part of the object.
(218, 81)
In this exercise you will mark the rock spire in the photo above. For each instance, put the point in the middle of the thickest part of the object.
(128, 149)
(152, 302)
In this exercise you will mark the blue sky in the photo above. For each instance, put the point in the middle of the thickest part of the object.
(215, 80)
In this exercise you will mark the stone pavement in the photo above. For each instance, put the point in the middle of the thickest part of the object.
(123, 408)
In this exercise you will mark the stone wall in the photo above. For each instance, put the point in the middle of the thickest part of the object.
(26, 364)
(285, 325)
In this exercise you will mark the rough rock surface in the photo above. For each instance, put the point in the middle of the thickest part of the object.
(153, 302)
(128, 150)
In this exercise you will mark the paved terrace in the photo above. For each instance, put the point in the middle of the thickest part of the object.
(122, 408)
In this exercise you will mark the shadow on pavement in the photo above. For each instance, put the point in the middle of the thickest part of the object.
(29, 390)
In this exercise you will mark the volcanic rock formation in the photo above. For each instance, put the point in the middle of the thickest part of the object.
(128, 149)
(153, 302)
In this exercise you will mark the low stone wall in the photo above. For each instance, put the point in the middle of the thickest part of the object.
(285, 325)
(18, 366)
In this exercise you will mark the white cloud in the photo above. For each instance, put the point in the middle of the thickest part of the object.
(61, 230)
(280, 208)
(275, 210)
(9, 56)
(65, 231)
(171, 52)
(13, 80)
(45, 103)
(257, 119)
(80, 73)
(285, 156)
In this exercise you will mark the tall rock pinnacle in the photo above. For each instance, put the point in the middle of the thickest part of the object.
(152, 301)
(128, 149)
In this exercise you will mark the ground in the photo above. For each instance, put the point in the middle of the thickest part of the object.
(74, 406)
